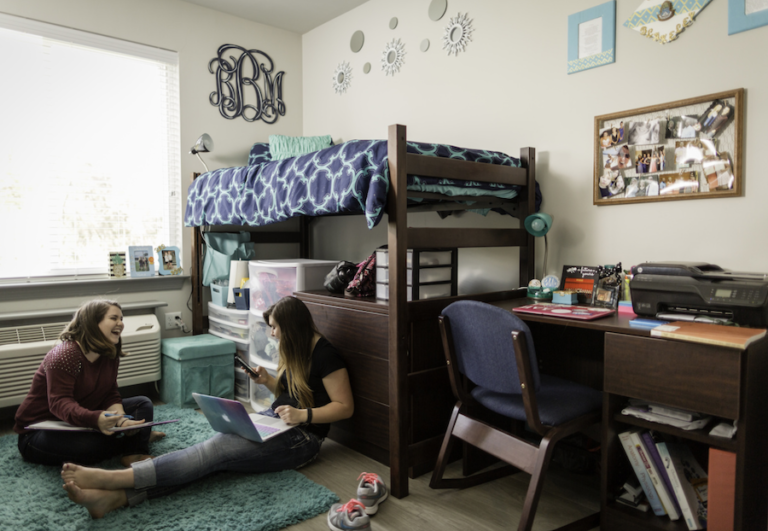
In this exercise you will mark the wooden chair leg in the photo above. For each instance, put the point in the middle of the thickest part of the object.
(536, 485)
(445, 451)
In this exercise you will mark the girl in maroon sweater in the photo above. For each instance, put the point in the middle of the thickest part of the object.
(77, 383)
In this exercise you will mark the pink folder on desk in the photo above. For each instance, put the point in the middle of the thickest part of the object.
(582, 313)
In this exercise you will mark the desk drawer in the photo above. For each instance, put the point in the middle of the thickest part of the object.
(702, 378)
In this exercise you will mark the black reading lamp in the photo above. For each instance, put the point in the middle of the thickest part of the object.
(204, 144)
(538, 225)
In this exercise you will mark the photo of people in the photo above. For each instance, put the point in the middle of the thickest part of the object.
(617, 158)
(140, 261)
(718, 173)
(683, 127)
(169, 260)
(642, 187)
(689, 152)
(648, 132)
(711, 126)
(612, 136)
(650, 160)
(685, 182)
(611, 183)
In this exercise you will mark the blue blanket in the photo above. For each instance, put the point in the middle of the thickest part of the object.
(352, 177)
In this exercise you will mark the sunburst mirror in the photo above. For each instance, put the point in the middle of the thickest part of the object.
(393, 57)
(341, 77)
(457, 34)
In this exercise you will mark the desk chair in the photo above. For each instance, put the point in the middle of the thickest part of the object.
(493, 349)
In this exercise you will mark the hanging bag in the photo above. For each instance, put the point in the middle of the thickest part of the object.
(221, 248)
(364, 282)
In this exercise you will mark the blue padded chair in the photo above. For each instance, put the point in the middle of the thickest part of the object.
(493, 349)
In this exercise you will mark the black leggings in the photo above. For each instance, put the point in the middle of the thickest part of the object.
(87, 447)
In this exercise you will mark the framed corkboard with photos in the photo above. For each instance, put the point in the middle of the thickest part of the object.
(687, 149)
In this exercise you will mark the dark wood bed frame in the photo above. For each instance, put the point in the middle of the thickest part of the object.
(403, 398)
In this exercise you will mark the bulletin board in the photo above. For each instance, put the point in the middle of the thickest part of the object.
(687, 149)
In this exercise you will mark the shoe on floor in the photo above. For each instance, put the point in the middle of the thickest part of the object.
(348, 516)
(371, 491)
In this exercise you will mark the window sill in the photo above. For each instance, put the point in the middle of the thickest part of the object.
(87, 288)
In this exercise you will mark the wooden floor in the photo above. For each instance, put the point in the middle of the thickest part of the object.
(567, 496)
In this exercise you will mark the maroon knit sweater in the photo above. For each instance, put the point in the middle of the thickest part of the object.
(68, 387)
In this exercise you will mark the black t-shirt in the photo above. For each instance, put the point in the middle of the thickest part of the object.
(325, 360)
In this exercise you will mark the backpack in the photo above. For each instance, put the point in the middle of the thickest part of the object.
(364, 282)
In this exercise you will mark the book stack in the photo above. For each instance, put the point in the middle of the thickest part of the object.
(673, 481)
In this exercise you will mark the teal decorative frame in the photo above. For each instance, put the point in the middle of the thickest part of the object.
(147, 250)
(176, 259)
(739, 21)
(607, 12)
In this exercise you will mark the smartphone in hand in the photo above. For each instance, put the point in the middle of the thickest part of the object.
(245, 366)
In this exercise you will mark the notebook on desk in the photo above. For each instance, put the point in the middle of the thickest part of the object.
(230, 416)
(582, 313)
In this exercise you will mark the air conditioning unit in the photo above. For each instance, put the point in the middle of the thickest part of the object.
(23, 348)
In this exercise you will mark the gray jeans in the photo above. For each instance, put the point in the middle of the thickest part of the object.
(222, 452)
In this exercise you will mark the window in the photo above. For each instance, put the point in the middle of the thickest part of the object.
(89, 149)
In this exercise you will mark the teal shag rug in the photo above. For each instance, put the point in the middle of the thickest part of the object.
(33, 499)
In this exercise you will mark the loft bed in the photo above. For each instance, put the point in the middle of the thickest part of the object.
(392, 348)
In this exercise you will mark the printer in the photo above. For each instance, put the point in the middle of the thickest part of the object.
(700, 289)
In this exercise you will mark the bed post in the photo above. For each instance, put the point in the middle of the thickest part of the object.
(197, 280)
(528, 207)
(397, 235)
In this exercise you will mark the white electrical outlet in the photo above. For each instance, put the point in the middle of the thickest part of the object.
(170, 320)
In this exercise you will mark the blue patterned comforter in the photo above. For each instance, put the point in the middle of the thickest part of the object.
(352, 177)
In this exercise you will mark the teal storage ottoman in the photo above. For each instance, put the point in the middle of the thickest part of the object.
(199, 364)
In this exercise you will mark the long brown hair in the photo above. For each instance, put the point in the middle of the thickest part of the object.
(84, 328)
(297, 331)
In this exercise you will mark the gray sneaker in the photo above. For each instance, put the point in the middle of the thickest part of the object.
(371, 491)
(349, 516)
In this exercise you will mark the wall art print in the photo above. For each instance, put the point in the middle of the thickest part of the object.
(246, 85)
(592, 37)
(664, 21)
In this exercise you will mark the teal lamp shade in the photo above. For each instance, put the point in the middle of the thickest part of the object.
(538, 224)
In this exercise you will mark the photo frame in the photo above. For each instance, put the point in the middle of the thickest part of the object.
(721, 145)
(141, 261)
(168, 260)
(581, 280)
(592, 37)
(740, 20)
(117, 264)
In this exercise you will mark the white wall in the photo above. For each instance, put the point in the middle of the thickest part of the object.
(510, 89)
(195, 33)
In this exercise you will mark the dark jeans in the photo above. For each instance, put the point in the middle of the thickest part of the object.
(87, 447)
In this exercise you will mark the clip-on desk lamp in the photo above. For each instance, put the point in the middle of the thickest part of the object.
(538, 225)
(204, 144)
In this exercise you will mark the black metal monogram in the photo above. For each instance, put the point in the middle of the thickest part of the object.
(236, 75)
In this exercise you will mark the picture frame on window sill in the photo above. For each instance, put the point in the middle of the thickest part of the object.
(168, 260)
(141, 260)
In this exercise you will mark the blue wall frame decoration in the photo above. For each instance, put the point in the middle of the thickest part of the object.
(739, 21)
(607, 55)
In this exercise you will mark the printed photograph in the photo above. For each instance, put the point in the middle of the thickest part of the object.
(648, 132)
(689, 152)
(141, 261)
(686, 182)
(169, 260)
(643, 187)
(650, 160)
(611, 183)
(612, 136)
(683, 127)
(718, 173)
(617, 158)
(716, 118)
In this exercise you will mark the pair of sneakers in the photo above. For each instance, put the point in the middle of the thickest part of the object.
(355, 514)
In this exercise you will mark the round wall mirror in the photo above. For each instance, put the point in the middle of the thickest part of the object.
(391, 56)
(424, 45)
(366, 68)
(437, 9)
(356, 43)
(393, 23)
(340, 77)
(457, 32)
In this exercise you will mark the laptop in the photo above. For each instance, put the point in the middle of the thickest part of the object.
(230, 416)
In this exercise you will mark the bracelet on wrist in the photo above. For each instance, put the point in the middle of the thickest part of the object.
(309, 416)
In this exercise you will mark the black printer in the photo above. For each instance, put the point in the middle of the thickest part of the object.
(700, 289)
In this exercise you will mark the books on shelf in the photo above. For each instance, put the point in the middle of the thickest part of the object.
(644, 450)
(641, 472)
(651, 440)
(711, 334)
(689, 481)
(644, 412)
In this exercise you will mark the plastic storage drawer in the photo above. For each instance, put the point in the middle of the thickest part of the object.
(261, 397)
(227, 330)
(436, 274)
(263, 347)
(426, 258)
(426, 291)
(230, 316)
(271, 280)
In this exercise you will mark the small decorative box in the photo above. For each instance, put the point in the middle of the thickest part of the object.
(565, 297)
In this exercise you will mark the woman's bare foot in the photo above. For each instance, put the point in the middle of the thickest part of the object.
(128, 460)
(98, 502)
(97, 478)
(156, 436)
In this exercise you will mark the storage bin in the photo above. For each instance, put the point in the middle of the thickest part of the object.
(261, 397)
(271, 280)
(425, 291)
(227, 330)
(426, 258)
(263, 347)
(198, 364)
(242, 381)
(437, 274)
(231, 316)
(219, 293)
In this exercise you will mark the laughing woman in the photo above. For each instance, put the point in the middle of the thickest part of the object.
(77, 383)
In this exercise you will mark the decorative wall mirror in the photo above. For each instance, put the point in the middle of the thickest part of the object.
(687, 149)
(457, 34)
(437, 9)
(342, 77)
(393, 57)
(356, 42)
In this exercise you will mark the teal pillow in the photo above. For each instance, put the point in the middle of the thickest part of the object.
(284, 147)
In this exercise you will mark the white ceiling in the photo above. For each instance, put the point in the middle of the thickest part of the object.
(298, 16)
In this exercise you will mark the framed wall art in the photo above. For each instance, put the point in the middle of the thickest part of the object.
(141, 261)
(687, 149)
(592, 37)
(745, 15)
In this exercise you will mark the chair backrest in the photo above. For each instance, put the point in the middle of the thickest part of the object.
(482, 342)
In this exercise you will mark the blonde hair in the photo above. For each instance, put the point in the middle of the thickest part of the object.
(297, 332)
(84, 328)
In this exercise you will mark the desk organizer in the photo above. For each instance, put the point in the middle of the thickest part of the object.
(431, 273)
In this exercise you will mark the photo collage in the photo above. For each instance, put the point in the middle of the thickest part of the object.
(676, 154)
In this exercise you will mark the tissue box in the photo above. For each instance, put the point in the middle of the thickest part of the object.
(565, 297)
(242, 298)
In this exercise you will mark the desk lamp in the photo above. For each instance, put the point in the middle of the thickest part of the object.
(204, 144)
(538, 225)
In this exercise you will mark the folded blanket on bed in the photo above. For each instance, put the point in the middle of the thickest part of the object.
(352, 177)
